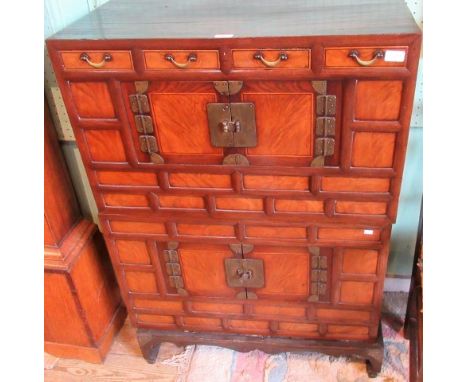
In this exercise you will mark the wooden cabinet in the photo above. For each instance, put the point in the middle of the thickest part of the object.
(246, 183)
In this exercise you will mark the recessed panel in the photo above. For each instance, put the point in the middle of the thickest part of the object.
(276, 182)
(378, 100)
(373, 150)
(119, 226)
(360, 208)
(125, 200)
(356, 292)
(130, 178)
(184, 202)
(105, 145)
(133, 252)
(92, 99)
(306, 206)
(199, 180)
(360, 261)
(342, 184)
(141, 282)
(239, 204)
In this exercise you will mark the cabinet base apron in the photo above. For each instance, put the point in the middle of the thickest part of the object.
(150, 340)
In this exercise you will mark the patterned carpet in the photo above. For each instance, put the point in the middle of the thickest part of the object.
(214, 364)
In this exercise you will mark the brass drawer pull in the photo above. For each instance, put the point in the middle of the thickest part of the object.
(355, 54)
(271, 64)
(106, 57)
(192, 57)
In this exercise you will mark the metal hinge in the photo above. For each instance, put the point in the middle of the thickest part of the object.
(139, 103)
(318, 275)
(228, 88)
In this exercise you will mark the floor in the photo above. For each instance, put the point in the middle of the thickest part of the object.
(125, 363)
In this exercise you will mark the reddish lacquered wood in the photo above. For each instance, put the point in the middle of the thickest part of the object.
(156, 59)
(120, 60)
(297, 58)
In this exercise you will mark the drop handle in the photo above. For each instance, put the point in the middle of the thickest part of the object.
(271, 64)
(377, 55)
(192, 57)
(106, 57)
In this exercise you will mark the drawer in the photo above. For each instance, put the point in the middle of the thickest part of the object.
(271, 59)
(97, 60)
(181, 59)
(350, 57)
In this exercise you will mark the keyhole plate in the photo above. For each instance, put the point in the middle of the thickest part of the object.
(252, 266)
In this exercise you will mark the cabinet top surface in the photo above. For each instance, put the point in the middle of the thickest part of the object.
(206, 19)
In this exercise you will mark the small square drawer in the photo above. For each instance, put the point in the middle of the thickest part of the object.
(97, 60)
(350, 57)
(181, 59)
(271, 58)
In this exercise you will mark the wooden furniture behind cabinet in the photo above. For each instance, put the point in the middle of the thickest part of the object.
(82, 306)
(246, 162)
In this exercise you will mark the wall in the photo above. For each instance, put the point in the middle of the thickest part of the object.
(59, 13)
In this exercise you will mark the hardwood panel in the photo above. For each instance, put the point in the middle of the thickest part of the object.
(340, 314)
(217, 308)
(286, 271)
(373, 149)
(121, 60)
(276, 310)
(168, 307)
(238, 204)
(348, 330)
(287, 131)
(125, 200)
(206, 230)
(92, 99)
(339, 57)
(142, 282)
(249, 325)
(356, 292)
(156, 319)
(356, 234)
(298, 327)
(203, 269)
(132, 252)
(276, 232)
(49, 238)
(360, 261)
(291, 205)
(331, 183)
(208, 323)
(105, 145)
(297, 58)
(120, 226)
(199, 180)
(182, 123)
(62, 319)
(360, 208)
(378, 100)
(156, 60)
(192, 202)
(133, 178)
(276, 182)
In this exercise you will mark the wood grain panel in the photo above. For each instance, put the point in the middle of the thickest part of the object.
(133, 178)
(92, 99)
(125, 200)
(276, 182)
(121, 60)
(105, 145)
(291, 205)
(330, 183)
(206, 230)
(276, 310)
(199, 180)
(286, 271)
(216, 308)
(191, 202)
(237, 204)
(276, 232)
(297, 59)
(62, 319)
(249, 325)
(287, 131)
(356, 234)
(208, 323)
(168, 307)
(132, 252)
(156, 319)
(155, 59)
(339, 57)
(360, 208)
(298, 327)
(142, 282)
(182, 123)
(373, 149)
(340, 314)
(378, 100)
(348, 330)
(360, 261)
(356, 292)
(203, 269)
(139, 227)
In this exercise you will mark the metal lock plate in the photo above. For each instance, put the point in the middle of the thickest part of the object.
(144, 124)
(232, 124)
(244, 273)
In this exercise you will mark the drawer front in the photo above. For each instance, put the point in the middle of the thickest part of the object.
(97, 60)
(351, 57)
(271, 59)
(181, 59)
